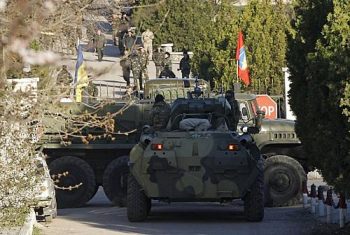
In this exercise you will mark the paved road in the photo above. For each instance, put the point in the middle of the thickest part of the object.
(99, 217)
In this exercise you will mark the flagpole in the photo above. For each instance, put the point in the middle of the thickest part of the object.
(237, 71)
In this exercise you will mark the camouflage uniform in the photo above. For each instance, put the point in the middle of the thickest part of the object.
(147, 38)
(100, 42)
(144, 62)
(159, 115)
(123, 27)
(158, 58)
(64, 79)
(136, 70)
(125, 63)
(167, 62)
(129, 41)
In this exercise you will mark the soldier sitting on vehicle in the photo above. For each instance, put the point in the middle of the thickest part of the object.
(167, 73)
(160, 113)
(234, 114)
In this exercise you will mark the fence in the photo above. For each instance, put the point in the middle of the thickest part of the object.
(333, 209)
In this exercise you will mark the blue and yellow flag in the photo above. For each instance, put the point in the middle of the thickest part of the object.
(81, 78)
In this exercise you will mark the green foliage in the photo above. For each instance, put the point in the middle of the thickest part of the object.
(175, 21)
(265, 26)
(210, 31)
(319, 62)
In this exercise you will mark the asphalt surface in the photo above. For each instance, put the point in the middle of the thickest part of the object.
(99, 217)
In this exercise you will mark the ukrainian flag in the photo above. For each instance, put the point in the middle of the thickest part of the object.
(81, 79)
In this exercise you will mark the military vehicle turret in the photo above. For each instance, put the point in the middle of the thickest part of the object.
(103, 161)
(196, 158)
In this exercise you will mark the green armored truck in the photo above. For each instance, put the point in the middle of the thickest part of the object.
(196, 158)
(100, 159)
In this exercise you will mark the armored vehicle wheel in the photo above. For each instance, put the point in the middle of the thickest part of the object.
(115, 180)
(283, 181)
(254, 200)
(138, 204)
(80, 177)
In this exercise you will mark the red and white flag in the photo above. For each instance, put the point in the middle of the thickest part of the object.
(242, 65)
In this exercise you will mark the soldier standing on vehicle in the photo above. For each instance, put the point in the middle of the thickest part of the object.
(100, 42)
(125, 63)
(167, 61)
(235, 114)
(147, 38)
(185, 65)
(136, 70)
(160, 113)
(144, 62)
(158, 59)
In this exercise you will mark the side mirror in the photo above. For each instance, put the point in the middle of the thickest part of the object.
(259, 117)
(250, 130)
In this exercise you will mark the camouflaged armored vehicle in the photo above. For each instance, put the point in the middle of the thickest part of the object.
(196, 158)
(104, 161)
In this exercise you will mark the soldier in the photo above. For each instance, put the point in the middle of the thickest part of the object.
(235, 114)
(160, 113)
(147, 38)
(100, 42)
(126, 67)
(185, 65)
(129, 41)
(136, 70)
(167, 61)
(167, 73)
(158, 59)
(123, 27)
(64, 79)
(144, 62)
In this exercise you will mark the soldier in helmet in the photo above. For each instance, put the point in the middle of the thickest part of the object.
(100, 42)
(160, 113)
(136, 69)
(167, 61)
(158, 59)
(64, 79)
(123, 27)
(125, 63)
(185, 65)
(147, 38)
(129, 41)
(235, 114)
(144, 62)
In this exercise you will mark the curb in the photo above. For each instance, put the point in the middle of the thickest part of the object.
(26, 229)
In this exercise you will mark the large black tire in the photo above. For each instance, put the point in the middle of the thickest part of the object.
(115, 178)
(283, 181)
(254, 200)
(79, 171)
(138, 204)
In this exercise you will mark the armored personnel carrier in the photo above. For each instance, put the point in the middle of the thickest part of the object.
(196, 158)
(104, 160)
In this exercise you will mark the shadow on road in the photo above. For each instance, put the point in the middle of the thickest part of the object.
(180, 218)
